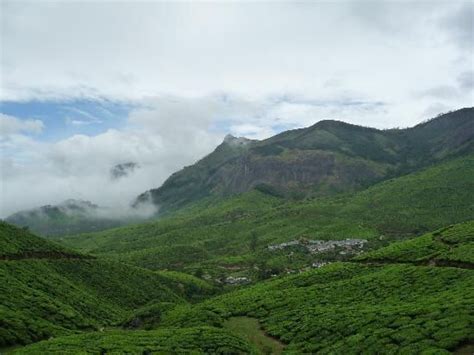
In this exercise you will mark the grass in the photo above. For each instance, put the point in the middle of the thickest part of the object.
(250, 329)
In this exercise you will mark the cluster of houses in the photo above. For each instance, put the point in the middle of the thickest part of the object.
(321, 246)
(237, 280)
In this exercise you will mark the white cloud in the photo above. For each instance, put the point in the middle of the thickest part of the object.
(383, 51)
(11, 125)
(36, 173)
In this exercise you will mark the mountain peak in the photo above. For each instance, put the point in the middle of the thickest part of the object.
(236, 141)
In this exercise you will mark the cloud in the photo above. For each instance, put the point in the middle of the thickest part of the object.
(131, 50)
(459, 25)
(11, 125)
(79, 166)
(466, 80)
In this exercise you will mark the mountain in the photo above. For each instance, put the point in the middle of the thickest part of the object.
(48, 290)
(69, 217)
(231, 237)
(320, 160)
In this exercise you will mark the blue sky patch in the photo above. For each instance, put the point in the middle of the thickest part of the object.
(65, 118)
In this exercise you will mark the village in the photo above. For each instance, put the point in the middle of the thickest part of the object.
(321, 246)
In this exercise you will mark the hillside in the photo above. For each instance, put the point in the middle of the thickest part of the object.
(452, 246)
(326, 158)
(231, 237)
(47, 290)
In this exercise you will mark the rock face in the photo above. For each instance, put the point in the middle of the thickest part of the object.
(323, 159)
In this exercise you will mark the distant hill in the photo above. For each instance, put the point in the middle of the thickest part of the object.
(320, 160)
(69, 217)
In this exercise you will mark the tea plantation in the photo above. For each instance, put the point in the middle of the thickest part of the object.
(197, 340)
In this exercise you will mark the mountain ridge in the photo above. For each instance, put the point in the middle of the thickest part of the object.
(328, 157)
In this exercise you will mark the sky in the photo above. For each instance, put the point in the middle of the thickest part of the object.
(86, 85)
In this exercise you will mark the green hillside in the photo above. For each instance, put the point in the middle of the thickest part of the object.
(453, 245)
(47, 290)
(218, 235)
